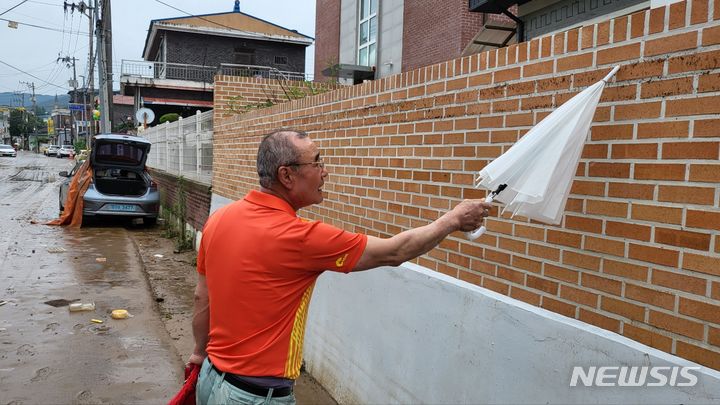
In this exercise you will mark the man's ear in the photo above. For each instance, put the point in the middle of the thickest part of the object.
(285, 177)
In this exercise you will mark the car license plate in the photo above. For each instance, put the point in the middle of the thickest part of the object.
(121, 207)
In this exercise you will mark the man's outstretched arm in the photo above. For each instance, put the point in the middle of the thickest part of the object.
(407, 245)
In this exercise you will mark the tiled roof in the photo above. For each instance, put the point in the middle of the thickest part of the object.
(233, 21)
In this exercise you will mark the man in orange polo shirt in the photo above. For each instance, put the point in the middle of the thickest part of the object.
(258, 262)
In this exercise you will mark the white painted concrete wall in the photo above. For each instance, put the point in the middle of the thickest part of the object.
(390, 37)
(348, 31)
(217, 201)
(409, 335)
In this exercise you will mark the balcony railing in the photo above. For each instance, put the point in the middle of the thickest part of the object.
(164, 70)
(264, 72)
(206, 74)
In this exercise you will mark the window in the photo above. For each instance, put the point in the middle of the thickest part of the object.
(281, 60)
(244, 56)
(367, 32)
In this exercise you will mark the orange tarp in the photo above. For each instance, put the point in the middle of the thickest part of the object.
(72, 215)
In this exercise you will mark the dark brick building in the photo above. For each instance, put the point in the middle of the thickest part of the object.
(182, 55)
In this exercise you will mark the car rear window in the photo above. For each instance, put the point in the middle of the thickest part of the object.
(109, 153)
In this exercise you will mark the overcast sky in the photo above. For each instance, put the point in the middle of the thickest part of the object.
(34, 50)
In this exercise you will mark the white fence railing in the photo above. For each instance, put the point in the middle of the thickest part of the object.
(184, 147)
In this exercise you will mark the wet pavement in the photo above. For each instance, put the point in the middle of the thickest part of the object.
(47, 353)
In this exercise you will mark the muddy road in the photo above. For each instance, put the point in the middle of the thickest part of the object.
(47, 353)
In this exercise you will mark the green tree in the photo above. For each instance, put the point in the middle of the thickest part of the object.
(18, 122)
(23, 123)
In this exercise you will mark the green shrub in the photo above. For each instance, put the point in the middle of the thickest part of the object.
(170, 117)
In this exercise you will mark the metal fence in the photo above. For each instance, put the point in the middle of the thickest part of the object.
(184, 147)
(165, 70)
(264, 72)
(197, 73)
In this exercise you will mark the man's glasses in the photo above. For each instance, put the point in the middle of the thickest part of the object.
(320, 163)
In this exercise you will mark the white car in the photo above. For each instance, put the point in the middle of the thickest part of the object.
(66, 150)
(51, 150)
(7, 150)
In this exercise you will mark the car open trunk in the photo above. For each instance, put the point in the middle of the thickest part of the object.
(121, 182)
(118, 162)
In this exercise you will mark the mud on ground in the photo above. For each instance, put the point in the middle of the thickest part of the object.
(172, 278)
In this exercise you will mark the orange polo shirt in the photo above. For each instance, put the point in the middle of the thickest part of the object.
(261, 261)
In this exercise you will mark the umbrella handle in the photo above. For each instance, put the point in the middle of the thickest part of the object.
(480, 231)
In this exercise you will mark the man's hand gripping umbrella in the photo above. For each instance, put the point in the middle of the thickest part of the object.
(537, 172)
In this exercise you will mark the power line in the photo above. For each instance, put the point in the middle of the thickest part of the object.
(14, 7)
(47, 4)
(32, 75)
(32, 17)
(38, 26)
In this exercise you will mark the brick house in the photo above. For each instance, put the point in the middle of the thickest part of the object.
(183, 54)
(396, 36)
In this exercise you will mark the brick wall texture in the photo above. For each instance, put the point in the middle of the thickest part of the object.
(233, 93)
(327, 36)
(638, 251)
(432, 37)
(197, 196)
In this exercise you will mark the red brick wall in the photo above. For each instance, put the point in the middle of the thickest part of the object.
(197, 197)
(432, 37)
(638, 251)
(327, 36)
(232, 93)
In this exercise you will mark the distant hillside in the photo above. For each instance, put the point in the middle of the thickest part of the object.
(43, 100)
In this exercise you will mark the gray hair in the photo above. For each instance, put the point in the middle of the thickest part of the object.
(276, 149)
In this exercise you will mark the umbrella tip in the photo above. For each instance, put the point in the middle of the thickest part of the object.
(611, 74)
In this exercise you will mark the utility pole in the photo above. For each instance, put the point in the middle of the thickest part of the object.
(91, 70)
(71, 62)
(104, 39)
(84, 110)
(31, 86)
(18, 99)
(88, 10)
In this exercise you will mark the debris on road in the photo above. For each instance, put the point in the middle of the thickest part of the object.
(55, 249)
(78, 306)
(96, 320)
(100, 259)
(159, 256)
(120, 314)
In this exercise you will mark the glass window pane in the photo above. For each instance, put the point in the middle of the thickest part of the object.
(364, 6)
(373, 28)
(363, 33)
(373, 6)
(363, 57)
(371, 55)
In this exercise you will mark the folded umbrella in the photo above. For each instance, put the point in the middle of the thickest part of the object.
(186, 395)
(533, 178)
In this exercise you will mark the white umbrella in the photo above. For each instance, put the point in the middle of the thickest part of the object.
(534, 176)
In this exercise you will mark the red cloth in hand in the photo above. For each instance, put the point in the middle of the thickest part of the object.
(186, 395)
